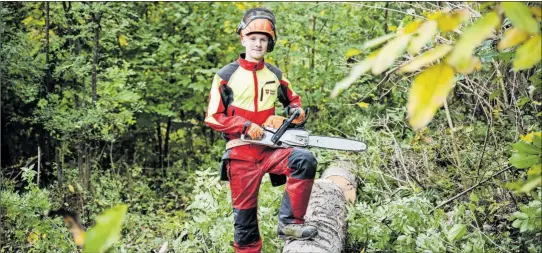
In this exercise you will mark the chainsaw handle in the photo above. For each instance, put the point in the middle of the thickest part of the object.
(302, 123)
(284, 126)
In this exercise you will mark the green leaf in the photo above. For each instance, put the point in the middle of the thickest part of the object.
(473, 36)
(520, 216)
(528, 54)
(522, 101)
(537, 140)
(428, 57)
(473, 197)
(517, 223)
(535, 170)
(494, 94)
(457, 232)
(389, 53)
(524, 147)
(531, 183)
(523, 161)
(524, 226)
(428, 93)
(106, 231)
(521, 17)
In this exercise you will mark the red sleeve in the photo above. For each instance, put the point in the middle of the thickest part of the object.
(216, 117)
(289, 97)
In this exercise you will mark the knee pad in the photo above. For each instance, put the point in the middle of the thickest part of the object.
(302, 163)
(246, 226)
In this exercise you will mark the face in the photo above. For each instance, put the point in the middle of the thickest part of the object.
(255, 46)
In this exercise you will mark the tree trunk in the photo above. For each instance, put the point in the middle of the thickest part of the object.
(313, 50)
(48, 83)
(58, 164)
(48, 88)
(159, 144)
(87, 167)
(386, 17)
(96, 19)
(80, 163)
(327, 210)
(166, 143)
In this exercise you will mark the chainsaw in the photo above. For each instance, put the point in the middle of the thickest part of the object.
(290, 135)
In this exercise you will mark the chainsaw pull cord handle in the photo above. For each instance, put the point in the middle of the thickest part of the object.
(284, 125)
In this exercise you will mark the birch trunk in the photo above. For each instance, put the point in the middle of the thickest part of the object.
(327, 210)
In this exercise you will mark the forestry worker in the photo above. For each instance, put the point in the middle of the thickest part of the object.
(241, 101)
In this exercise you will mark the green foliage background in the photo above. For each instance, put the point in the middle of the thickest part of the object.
(140, 139)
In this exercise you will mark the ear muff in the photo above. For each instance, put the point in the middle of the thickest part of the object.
(271, 45)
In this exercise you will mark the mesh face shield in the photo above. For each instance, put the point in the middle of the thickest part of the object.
(253, 14)
(259, 13)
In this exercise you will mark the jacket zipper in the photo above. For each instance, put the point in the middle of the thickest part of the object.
(255, 88)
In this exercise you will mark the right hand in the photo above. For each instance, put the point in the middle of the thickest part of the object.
(274, 121)
(254, 131)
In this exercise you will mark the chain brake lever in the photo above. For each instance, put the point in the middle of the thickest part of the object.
(284, 126)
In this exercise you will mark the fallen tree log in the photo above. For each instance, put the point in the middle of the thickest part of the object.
(327, 210)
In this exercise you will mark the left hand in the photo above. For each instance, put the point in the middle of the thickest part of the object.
(274, 121)
(299, 118)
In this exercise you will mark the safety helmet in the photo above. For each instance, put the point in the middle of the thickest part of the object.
(259, 20)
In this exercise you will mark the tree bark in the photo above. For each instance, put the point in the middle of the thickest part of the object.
(58, 164)
(166, 143)
(48, 83)
(386, 17)
(313, 49)
(327, 210)
(48, 88)
(87, 167)
(80, 163)
(159, 143)
(96, 19)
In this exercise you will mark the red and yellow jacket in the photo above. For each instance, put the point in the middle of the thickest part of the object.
(246, 91)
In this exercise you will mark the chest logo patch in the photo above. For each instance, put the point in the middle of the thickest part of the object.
(270, 92)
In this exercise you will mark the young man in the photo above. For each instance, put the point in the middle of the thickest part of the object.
(242, 99)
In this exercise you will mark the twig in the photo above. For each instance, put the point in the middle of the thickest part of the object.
(381, 81)
(470, 189)
(382, 8)
(398, 153)
(420, 7)
(483, 152)
(501, 82)
(67, 239)
(39, 165)
(481, 233)
(475, 93)
(416, 181)
(454, 144)
(163, 249)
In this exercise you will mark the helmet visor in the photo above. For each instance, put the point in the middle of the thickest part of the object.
(257, 13)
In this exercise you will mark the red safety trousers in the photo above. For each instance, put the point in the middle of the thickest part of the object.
(245, 176)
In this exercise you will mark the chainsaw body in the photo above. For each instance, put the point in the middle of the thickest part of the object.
(289, 135)
(292, 137)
